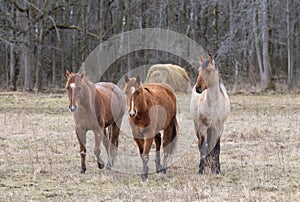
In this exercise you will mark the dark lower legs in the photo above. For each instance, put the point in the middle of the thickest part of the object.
(157, 155)
(215, 156)
(212, 160)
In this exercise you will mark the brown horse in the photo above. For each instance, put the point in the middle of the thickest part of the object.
(131, 84)
(210, 108)
(152, 108)
(95, 107)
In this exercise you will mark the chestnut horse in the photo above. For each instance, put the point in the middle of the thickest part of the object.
(96, 107)
(210, 108)
(152, 108)
(131, 84)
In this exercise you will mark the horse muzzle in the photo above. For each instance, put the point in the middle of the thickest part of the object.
(72, 108)
(131, 113)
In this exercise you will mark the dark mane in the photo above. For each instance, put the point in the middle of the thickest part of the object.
(147, 89)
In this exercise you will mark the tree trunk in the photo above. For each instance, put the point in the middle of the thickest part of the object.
(27, 56)
(84, 16)
(289, 52)
(265, 76)
(13, 75)
(39, 73)
(13, 72)
(216, 27)
(54, 63)
(236, 77)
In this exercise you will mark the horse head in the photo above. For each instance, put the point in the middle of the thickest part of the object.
(208, 75)
(136, 102)
(74, 88)
(131, 84)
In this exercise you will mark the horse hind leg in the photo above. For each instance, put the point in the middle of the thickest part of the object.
(106, 139)
(157, 159)
(98, 138)
(113, 144)
(169, 141)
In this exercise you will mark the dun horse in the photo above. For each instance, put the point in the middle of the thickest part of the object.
(210, 108)
(95, 107)
(152, 108)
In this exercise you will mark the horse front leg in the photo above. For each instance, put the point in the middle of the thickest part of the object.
(81, 136)
(99, 135)
(202, 160)
(145, 157)
(202, 134)
(215, 156)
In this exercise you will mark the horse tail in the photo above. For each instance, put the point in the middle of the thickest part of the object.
(174, 137)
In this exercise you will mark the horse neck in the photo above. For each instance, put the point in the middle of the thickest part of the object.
(145, 102)
(214, 92)
(89, 91)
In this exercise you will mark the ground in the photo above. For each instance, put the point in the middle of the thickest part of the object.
(260, 159)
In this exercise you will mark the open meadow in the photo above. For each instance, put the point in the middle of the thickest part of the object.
(260, 158)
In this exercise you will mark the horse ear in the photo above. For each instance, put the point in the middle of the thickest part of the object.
(67, 73)
(201, 59)
(126, 79)
(211, 59)
(138, 79)
(82, 75)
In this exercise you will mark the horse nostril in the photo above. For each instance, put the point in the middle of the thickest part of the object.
(72, 108)
(131, 113)
(199, 90)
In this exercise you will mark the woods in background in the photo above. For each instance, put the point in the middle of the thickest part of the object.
(256, 42)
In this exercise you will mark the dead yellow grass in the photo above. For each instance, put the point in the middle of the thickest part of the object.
(260, 156)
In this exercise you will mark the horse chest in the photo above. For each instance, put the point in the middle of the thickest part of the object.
(85, 120)
(140, 122)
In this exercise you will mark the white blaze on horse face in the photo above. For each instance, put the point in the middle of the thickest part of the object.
(131, 111)
(132, 90)
(72, 85)
(73, 107)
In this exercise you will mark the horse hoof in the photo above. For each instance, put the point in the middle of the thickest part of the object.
(82, 170)
(163, 171)
(201, 171)
(144, 177)
(108, 166)
(100, 165)
(217, 172)
(158, 169)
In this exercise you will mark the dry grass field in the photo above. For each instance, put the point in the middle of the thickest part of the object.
(260, 158)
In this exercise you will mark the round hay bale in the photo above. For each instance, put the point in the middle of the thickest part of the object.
(173, 75)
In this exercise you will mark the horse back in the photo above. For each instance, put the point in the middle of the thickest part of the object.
(163, 95)
(109, 102)
(160, 89)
